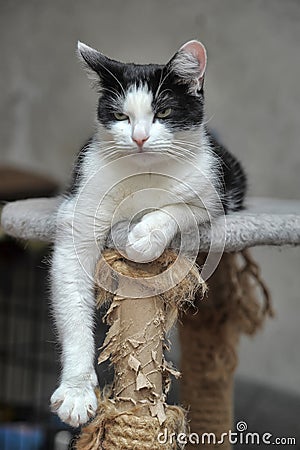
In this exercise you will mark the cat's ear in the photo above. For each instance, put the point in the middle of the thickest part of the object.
(97, 65)
(189, 65)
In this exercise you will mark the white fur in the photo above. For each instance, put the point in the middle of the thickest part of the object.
(115, 188)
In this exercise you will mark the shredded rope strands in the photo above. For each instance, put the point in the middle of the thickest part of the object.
(238, 302)
(133, 413)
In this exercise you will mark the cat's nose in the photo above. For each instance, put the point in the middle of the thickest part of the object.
(140, 140)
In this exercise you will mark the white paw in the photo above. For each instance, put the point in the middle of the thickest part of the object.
(74, 401)
(146, 241)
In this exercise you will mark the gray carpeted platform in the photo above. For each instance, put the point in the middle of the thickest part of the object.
(263, 222)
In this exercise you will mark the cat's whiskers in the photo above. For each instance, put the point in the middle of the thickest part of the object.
(180, 152)
(165, 90)
(112, 91)
(118, 81)
(177, 156)
(209, 119)
(117, 97)
(108, 152)
(184, 149)
(183, 156)
(100, 144)
(198, 147)
(162, 100)
(117, 151)
(218, 164)
(161, 82)
(105, 149)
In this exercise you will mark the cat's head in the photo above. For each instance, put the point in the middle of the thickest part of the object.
(149, 108)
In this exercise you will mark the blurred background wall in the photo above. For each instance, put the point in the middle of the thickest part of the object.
(253, 103)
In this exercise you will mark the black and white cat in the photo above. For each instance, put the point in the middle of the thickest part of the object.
(151, 159)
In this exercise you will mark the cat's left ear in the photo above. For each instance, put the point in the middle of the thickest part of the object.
(189, 65)
(98, 66)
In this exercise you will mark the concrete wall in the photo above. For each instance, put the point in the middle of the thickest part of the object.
(253, 100)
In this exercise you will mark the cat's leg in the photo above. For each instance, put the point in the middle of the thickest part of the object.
(149, 238)
(73, 307)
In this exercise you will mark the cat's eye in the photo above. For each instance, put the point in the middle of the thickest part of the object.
(120, 116)
(163, 113)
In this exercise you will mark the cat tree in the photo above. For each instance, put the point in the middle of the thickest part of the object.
(134, 412)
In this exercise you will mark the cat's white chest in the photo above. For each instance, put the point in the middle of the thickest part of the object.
(123, 190)
(124, 184)
(134, 196)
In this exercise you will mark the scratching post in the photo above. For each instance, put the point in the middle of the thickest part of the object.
(237, 302)
(134, 412)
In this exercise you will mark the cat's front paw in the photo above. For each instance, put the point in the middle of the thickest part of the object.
(75, 401)
(146, 242)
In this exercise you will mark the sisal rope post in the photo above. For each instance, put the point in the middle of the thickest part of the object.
(134, 411)
(209, 338)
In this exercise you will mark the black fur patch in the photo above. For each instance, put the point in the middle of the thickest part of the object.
(233, 180)
(187, 109)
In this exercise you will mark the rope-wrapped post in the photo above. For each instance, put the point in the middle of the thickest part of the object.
(134, 413)
(237, 302)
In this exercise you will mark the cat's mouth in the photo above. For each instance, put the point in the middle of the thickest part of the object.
(149, 155)
(141, 149)
(152, 148)
(138, 149)
(150, 152)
